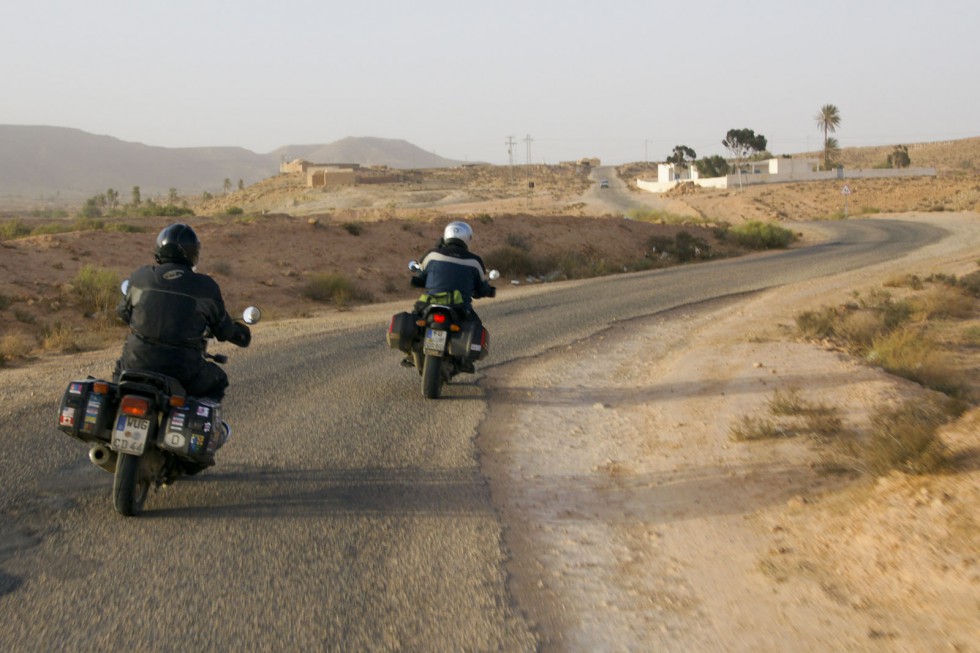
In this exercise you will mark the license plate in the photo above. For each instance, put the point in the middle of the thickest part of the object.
(130, 434)
(435, 342)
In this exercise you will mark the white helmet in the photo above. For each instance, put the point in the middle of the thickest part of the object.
(459, 231)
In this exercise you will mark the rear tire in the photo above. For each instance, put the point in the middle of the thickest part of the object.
(432, 377)
(129, 487)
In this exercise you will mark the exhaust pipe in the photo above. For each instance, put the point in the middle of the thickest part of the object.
(102, 456)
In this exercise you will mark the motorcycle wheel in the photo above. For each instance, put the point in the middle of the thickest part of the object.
(432, 377)
(129, 487)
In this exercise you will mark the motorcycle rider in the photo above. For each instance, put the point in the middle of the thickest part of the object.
(168, 308)
(450, 267)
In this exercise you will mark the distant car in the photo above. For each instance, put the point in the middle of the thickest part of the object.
(604, 183)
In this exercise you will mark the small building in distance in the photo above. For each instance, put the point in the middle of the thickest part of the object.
(769, 171)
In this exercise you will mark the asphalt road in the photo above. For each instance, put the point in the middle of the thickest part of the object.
(346, 513)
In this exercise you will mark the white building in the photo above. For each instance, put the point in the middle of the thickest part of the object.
(770, 171)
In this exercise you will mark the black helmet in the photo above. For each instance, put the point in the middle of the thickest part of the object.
(178, 244)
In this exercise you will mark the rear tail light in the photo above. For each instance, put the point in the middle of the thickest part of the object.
(440, 318)
(135, 406)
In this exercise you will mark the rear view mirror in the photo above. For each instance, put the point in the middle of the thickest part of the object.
(251, 315)
(414, 266)
(494, 275)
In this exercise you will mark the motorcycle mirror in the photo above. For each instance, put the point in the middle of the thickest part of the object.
(494, 275)
(124, 287)
(414, 266)
(251, 315)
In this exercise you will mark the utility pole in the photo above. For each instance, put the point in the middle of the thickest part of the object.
(530, 184)
(510, 156)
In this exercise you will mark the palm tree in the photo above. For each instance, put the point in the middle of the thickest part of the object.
(827, 121)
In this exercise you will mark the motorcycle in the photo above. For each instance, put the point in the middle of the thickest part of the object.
(440, 338)
(144, 428)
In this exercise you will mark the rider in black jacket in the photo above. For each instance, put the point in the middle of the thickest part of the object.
(168, 308)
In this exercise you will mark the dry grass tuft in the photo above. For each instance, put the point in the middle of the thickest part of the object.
(911, 354)
(748, 428)
(944, 302)
(905, 439)
(15, 345)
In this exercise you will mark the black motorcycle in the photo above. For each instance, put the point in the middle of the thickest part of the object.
(145, 429)
(440, 338)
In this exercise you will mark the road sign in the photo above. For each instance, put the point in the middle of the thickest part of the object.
(846, 190)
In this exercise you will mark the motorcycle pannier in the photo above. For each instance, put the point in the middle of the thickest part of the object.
(194, 430)
(402, 331)
(85, 408)
(472, 343)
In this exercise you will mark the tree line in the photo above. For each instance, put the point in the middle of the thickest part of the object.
(745, 145)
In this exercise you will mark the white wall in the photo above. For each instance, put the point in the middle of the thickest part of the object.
(779, 171)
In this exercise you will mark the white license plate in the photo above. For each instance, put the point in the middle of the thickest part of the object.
(130, 434)
(435, 342)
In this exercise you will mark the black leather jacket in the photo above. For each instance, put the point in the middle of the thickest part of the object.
(168, 308)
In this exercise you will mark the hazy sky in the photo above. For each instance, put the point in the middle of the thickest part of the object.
(622, 80)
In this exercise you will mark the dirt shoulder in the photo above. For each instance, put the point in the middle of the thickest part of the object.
(636, 522)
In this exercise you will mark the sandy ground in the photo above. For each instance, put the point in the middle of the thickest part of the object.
(636, 522)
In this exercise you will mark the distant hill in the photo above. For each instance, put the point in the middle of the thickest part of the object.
(41, 162)
(367, 151)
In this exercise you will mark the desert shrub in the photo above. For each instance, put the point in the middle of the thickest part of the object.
(943, 278)
(788, 402)
(59, 337)
(748, 428)
(971, 283)
(353, 228)
(56, 228)
(682, 247)
(514, 262)
(122, 227)
(819, 323)
(5, 301)
(15, 345)
(657, 216)
(761, 235)
(518, 241)
(905, 281)
(234, 210)
(688, 247)
(860, 328)
(944, 302)
(905, 439)
(819, 420)
(53, 214)
(892, 313)
(24, 317)
(96, 290)
(579, 265)
(971, 336)
(11, 229)
(331, 287)
(912, 354)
